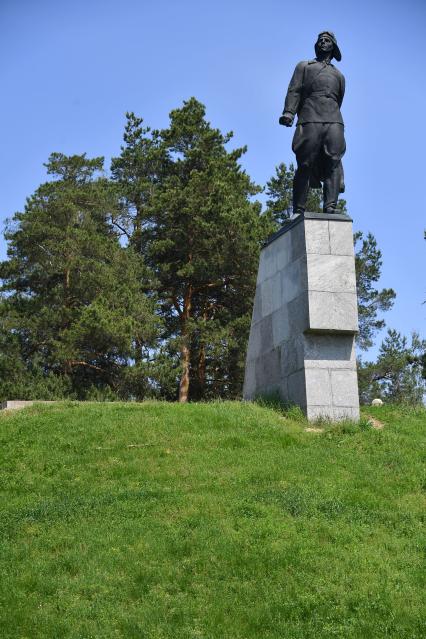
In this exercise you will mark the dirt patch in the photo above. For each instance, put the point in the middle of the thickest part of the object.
(375, 423)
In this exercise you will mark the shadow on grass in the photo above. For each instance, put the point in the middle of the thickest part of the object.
(274, 402)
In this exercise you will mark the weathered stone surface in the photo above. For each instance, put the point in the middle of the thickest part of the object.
(266, 334)
(255, 342)
(317, 237)
(305, 318)
(257, 306)
(293, 280)
(344, 385)
(346, 412)
(297, 242)
(17, 404)
(280, 326)
(331, 273)
(320, 350)
(283, 256)
(333, 312)
(341, 242)
(297, 388)
(318, 387)
(298, 313)
(250, 379)
(292, 355)
(319, 412)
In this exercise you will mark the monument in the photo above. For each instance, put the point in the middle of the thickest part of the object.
(305, 320)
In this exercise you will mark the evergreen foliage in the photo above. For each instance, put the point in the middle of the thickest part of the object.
(396, 376)
(187, 203)
(73, 309)
(371, 301)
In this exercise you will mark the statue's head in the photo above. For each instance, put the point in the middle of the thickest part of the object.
(326, 42)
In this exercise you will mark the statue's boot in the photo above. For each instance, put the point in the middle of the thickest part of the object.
(332, 189)
(300, 188)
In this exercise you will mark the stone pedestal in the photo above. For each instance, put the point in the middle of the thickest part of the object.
(305, 318)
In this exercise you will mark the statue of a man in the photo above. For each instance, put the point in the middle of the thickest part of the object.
(316, 93)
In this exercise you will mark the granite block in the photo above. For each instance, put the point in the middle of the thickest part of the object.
(268, 265)
(293, 280)
(292, 359)
(324, 351)
(266, 335)
(317, 238)
(333, 312)
(341, 238)
(346, 412)
(296, 388)
(254, 347)
(257, 305)
(268, 369)
(298, 314)
(271, 294)
(280, 326)
(318, 387)
(249, 390)
(344, 384)
(284, 252)
(334, 273)
(298, 246)
(319, 412)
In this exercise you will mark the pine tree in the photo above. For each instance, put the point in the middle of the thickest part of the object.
(74, 303)
(371, 301)
(396, 376)
(201, 235)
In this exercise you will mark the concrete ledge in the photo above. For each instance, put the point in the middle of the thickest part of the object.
(16, 404)
(296, 219)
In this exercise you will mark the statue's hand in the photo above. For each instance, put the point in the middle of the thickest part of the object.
(286, 119)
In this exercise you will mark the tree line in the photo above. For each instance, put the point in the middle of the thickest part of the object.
(139, 282)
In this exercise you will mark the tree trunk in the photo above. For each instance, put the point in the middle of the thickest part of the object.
(185, 348)
(202, 368)
(184, 380)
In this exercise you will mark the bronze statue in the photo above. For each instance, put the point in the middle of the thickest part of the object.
(316, 93)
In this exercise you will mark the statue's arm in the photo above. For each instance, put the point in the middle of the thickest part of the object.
(342, 90)
(294, 95)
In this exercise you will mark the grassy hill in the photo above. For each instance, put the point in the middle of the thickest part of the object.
(223, 520)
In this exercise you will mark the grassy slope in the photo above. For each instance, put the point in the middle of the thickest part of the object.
(221, 520)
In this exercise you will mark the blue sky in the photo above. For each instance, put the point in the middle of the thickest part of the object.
(70, 70)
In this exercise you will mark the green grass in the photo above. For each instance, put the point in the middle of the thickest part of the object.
(223, 520)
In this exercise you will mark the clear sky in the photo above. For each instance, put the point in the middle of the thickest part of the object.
(70, 71)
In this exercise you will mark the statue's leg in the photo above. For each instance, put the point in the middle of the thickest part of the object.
(334, 149)
(300, 188)
(306, 145)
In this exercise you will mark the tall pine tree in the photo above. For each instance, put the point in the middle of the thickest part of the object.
(200, 233)
(73, 299)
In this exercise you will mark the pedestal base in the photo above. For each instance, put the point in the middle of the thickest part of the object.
(305, 319)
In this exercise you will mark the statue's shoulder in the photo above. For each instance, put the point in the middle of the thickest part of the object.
(336, 70)
(303, 63)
